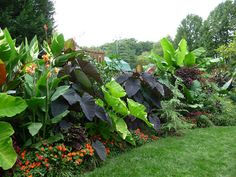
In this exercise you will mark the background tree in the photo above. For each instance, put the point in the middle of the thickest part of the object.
(26, 18)
(190, 29)
(127, 49)
(219, 27)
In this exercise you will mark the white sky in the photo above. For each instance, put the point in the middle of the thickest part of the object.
(95, 22)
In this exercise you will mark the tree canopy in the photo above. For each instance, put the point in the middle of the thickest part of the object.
(219, 27)
(190, 29)
(26, 18)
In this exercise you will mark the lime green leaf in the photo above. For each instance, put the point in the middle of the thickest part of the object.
(120, 125)
(117, 104)
(7, 154)
(181, 52)
(168, 50)
(60, 91)
(190, 59)
(10, 106)
(99, 102)
(138, 110)
(34, 128)
(115, 89)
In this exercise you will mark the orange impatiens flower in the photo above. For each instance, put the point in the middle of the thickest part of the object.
(23, 154)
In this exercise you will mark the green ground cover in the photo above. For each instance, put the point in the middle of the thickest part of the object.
(209, 152)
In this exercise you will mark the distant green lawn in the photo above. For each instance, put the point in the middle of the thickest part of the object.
(209, 152)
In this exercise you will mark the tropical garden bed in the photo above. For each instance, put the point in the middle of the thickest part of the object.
(61, 117)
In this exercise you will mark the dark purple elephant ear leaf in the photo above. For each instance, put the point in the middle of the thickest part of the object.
(71, 96)
(100, 149)
(132, 86)
(90, 70)
(155, 121)
(88, 105)
(101, 114)
(122, 78)
(59, 106)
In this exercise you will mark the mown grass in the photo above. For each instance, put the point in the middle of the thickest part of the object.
(209, 152)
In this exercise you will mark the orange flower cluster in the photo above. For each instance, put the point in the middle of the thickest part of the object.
(46, 59)
(108, 151)
(46, 156)
(141, 135)
(90, 149)
(31, 69)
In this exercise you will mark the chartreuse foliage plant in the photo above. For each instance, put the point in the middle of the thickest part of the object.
(9, 107)
(172, 58)
(119, 109)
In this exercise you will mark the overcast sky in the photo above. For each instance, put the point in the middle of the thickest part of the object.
(95, 22)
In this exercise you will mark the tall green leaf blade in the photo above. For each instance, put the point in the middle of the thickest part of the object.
(168, 50)
(10, 106)
(57, 45)
(181, 52)
(190, 59)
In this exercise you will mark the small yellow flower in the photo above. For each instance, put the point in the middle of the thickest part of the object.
(56, 70)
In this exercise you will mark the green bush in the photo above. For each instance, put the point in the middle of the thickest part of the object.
(204, 121)
(227, 114)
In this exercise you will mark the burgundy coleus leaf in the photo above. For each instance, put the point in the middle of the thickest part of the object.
(3, 73)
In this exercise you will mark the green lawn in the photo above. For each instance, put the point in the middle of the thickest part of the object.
(209, 152)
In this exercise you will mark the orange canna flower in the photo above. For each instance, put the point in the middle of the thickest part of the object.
(30, 175)
(45, 58)
(42, 149)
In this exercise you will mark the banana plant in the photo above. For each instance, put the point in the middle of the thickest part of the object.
(172, 58)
